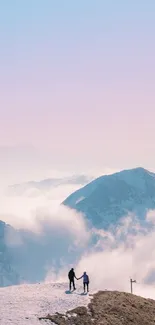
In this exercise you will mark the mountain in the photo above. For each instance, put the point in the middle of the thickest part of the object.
(108, 198)
(47, 184)
(111, 308)
(8, 275)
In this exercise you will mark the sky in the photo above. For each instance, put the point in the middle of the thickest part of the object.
(76, 85)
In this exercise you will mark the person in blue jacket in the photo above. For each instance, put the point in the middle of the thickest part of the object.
(85, 281)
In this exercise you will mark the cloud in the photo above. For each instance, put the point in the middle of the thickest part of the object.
(44, 234)
(20, 209)
(126, 252)
(151, 216)
(52, 241)
(63, 223)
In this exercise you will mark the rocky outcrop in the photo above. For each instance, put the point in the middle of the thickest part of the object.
(109, 308)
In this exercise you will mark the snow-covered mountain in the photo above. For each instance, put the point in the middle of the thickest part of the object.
(108, 198)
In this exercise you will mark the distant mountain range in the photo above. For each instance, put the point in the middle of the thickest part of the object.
(47, 184)
(108, 198)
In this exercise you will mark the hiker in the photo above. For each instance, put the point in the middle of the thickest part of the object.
(72, 276)
(85, 281)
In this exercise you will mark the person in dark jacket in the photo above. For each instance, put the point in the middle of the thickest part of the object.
(85, 281)
(72, 277)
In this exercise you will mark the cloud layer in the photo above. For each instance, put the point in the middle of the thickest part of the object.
(56, 238)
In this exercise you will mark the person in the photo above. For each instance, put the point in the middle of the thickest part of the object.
(85, 281)
(72, 277)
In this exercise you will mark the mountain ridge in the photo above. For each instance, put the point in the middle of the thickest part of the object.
(47, 183)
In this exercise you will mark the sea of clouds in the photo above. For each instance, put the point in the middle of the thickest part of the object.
(56, 238)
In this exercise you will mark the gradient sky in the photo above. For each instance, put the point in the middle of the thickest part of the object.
(77, 80)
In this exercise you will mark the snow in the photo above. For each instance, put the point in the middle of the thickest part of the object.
(80, 199)
(23, 304)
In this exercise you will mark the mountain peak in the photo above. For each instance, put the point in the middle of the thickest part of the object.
(134, 171)
(109, 198)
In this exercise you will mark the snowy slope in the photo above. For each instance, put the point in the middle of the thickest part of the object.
(23, 304)
(108, 198)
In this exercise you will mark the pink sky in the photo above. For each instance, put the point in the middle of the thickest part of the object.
(79, 81)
